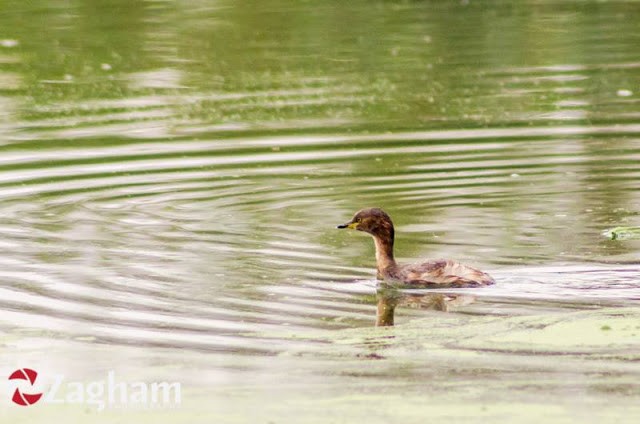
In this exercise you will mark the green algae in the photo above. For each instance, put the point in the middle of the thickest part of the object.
(623, 233)
(559, 367)
(560, 333)
(260, 407)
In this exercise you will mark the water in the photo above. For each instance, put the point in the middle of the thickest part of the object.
(171, 175)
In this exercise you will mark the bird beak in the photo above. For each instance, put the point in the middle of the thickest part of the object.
(351, 225)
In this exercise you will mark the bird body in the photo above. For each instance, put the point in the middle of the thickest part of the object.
(439, 273)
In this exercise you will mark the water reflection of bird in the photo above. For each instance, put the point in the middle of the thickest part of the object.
(439, 273)
(388, 297)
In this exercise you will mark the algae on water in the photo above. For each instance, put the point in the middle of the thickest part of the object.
(623, 233)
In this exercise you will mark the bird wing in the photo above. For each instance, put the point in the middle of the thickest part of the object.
(443, 273)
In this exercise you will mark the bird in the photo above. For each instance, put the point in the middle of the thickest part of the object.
(438, 273)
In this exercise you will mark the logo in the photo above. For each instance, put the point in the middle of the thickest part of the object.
(109, 392)
(25, 399)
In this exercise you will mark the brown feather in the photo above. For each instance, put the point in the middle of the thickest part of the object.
(440, 273)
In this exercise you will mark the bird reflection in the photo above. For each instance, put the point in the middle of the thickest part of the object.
(389, 297)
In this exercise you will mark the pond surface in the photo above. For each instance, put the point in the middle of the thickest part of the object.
(171, 175)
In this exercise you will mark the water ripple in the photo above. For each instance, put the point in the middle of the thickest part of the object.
(195, 242)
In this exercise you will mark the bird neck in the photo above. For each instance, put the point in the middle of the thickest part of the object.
(384, 254)
(386, 309)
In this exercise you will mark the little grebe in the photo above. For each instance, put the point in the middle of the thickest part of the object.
(439, 273)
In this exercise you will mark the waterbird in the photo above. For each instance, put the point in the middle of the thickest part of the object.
(438, 273)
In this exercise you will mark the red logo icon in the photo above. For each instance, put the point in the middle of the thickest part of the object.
(25, 399)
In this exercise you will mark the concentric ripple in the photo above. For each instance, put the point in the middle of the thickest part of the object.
(194, 243)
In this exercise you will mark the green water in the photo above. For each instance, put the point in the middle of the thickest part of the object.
(171, 175)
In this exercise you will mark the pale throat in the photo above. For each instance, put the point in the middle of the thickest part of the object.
(384, 255)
